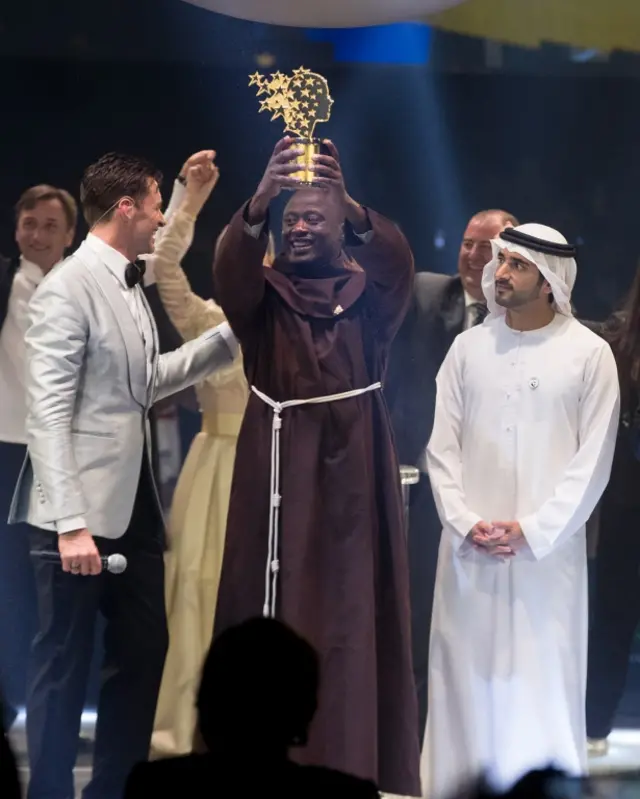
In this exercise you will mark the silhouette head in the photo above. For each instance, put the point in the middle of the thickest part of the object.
(259, 685)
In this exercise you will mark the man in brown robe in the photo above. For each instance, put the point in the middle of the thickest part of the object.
(315, 529)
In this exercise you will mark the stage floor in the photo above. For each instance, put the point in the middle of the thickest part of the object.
(624, 753)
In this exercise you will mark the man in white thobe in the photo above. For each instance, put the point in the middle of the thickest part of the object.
(525, 425)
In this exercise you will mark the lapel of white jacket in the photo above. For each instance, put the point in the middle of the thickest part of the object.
(156, 348)
(134, 346)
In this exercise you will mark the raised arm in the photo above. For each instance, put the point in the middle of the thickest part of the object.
(190, 314)
(377, 245)
(587, 475)
(238, 269)
(387, 260)
(444, 451)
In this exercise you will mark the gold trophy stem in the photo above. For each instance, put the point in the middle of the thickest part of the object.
(311, 147)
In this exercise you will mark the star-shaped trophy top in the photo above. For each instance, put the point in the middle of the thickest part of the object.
(301, 99)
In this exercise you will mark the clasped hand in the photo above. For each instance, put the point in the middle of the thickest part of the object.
(499, 539)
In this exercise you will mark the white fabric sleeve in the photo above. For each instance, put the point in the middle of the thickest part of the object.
(587, 475)
(444, 451)
(175, 201)
(70, 524)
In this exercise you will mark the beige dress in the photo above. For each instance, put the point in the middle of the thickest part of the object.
(198, 515)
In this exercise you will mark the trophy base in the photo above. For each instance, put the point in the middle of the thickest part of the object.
(305, 175)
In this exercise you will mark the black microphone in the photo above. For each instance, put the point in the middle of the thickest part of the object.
(115, 564)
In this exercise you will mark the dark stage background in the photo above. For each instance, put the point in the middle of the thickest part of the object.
(535, 132)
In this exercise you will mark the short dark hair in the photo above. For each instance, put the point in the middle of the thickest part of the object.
(505, 217)
(109, 179)
(259, 676)
(43, 192)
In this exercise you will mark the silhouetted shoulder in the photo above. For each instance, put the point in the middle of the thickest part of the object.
(200, 775)
(174, 776)
(334, 783)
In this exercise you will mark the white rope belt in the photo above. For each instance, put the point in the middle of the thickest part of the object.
(273, 564)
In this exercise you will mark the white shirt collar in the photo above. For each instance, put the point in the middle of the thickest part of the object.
(469, 300)
(115, 261)
(31, 271)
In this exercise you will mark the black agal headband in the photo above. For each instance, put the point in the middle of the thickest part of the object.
(538, 245)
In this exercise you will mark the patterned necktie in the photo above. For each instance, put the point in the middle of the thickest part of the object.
(479, 310)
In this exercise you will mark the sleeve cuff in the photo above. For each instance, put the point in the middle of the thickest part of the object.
(534, 537)
(177, 196)
(365, 237)
(254, 230)
(70, 524)
(230, 340)
(354, 239)
(458, 535)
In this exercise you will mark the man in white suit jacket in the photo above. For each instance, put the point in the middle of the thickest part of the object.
(87, 487)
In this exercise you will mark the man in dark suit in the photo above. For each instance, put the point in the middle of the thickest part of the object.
(45, 225)
(442, 307)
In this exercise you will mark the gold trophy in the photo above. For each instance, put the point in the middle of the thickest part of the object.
(302, 100)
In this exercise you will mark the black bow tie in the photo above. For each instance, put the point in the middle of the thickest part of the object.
(134, 273)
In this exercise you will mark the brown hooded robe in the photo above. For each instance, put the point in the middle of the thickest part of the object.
(343, 578)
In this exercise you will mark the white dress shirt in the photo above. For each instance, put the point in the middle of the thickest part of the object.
(13, 407)
(117, 263)
(470, 310)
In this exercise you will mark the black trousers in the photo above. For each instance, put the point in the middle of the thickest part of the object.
(615, 613)
(424, 540)
(17, 590)
(135, 645)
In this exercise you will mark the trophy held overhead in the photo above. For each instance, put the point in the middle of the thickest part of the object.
(301, 100)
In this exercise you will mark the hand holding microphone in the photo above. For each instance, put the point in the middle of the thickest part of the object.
(79, 555)
(72, 559)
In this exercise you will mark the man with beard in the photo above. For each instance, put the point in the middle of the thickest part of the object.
(315, 529)
(442, 307)
(525, 425)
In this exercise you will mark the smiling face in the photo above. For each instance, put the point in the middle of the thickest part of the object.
(475, 250)
(43, 233)
(312, 228)
(519, 283)
(146, 218)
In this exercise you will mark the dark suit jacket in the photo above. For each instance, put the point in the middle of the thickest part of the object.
(202, 775)
(434, 319)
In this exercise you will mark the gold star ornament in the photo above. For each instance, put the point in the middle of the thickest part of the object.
(301, 99)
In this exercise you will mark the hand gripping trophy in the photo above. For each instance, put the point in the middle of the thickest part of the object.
(302, 100)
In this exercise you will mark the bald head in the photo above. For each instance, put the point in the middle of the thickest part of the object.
(497, 217)
(475, 250)
(312, 227)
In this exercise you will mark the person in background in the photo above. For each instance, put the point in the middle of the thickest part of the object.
(615, 600)
(442, 306)
(198, 516)
(46, 219)
(256, 703)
